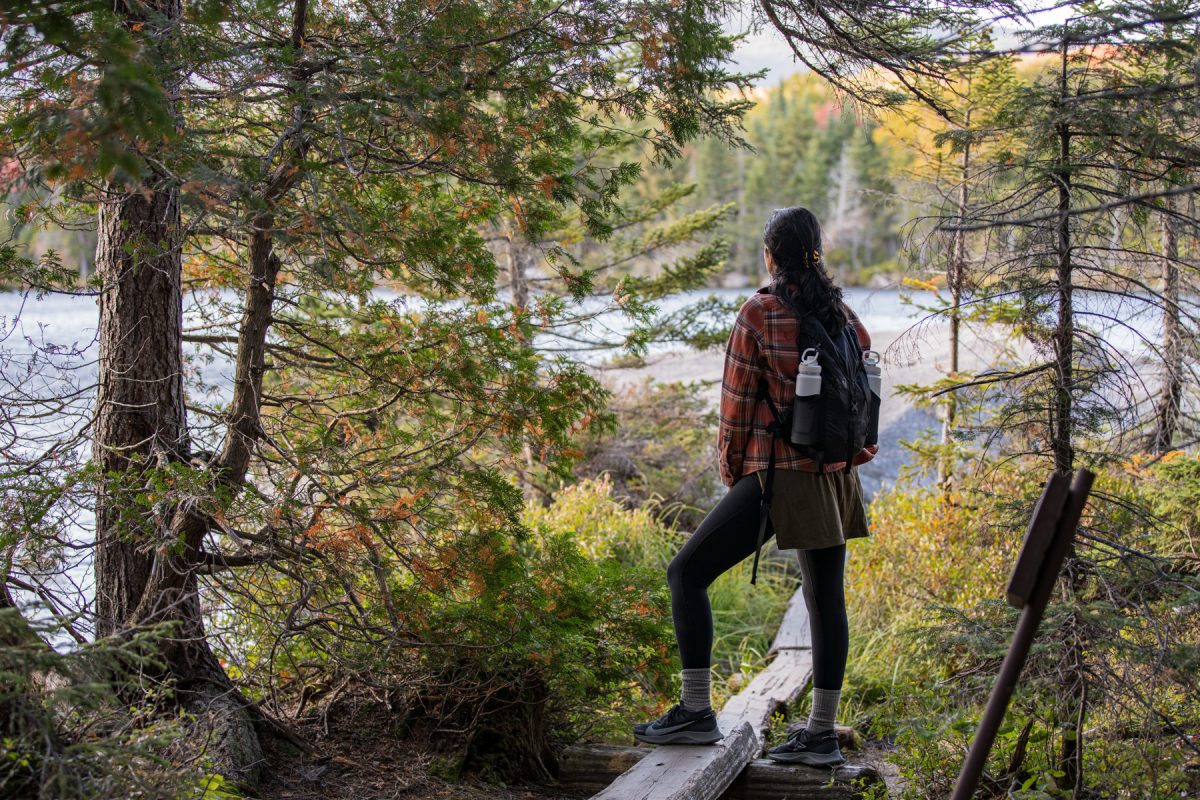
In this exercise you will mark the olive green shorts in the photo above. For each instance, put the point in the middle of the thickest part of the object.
(811, 510)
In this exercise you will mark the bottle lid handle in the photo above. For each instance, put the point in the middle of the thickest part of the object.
(807, 359)
(871, 358)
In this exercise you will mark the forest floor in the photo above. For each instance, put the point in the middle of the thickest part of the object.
(361, 753)
(875, 755)
(364, 756)
(361, 764)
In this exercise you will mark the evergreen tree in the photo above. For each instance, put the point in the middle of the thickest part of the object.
(294, 155)
(1081, 136)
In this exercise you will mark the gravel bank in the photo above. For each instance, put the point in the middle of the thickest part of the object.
(913, 356)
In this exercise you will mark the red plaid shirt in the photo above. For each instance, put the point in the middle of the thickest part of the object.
(763, 342)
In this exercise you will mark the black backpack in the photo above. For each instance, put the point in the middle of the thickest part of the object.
(841, 413)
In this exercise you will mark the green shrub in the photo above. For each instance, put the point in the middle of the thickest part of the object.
(929, 629)
(497, 645)
(64, 733)
(745, 617)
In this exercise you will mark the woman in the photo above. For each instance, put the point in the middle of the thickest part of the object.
(816, 508)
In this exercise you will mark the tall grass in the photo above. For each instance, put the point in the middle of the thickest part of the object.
(745, 617)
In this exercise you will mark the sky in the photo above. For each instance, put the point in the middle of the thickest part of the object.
(764, 49)
(767, 49)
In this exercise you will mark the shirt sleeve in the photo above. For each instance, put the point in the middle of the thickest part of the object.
(739, 391)
(866, 454)
(864, 338)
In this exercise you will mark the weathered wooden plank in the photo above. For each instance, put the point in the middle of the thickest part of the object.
(781, 683)
(590, 768)
(689, 772)
(763, 779)
(793, 633)
(1038, 536)
(784, 679)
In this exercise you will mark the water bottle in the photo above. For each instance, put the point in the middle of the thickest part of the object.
(808, 395)
(875, 379)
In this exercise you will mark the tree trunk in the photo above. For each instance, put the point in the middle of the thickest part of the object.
(519, 257)
(1062, 432)
(140, 421)
(1064, 332)
(1166, 414)
(144, 560)
(749, 266)
(140, 426)
(955, 277)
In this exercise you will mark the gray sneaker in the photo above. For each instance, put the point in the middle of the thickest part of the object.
(813, 749)
(680, 726)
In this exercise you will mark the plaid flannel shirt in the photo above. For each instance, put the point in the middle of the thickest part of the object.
(763, 342)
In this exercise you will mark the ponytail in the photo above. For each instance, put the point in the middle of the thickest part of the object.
(793, 237)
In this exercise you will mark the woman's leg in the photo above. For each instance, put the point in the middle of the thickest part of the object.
(822, 572)
(725, 537)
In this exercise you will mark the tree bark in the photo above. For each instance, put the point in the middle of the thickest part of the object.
(1166, 413)
(954, 277)
(517, 256)
(1062, 433)
(1064, 332)
(140, 419)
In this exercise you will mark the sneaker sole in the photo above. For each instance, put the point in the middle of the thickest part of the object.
(681, 737)
(808, 759)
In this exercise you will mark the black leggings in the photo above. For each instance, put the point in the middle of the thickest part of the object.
(725, 537)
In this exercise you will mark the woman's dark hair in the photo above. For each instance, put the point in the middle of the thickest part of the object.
(793, 237)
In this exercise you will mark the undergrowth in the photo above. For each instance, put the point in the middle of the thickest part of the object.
(929, 629)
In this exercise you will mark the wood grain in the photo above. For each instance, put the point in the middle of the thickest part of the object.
(593, 767)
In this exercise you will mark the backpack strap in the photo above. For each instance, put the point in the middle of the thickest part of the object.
(764, 507)
(780, 426)
(851, 336)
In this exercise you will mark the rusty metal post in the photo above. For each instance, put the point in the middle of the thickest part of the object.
(1047, 541)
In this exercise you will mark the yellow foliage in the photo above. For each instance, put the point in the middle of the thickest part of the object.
(927, 549)
(917, 283)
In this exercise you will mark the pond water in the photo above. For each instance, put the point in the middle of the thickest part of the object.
(69, 321)
(58, 331)
(56, 334)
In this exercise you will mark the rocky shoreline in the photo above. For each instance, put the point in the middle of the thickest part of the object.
(915, 356)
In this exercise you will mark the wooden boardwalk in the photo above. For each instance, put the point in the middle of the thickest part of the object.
(690, 772)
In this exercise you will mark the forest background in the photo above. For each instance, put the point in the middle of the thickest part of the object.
(339, 463)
